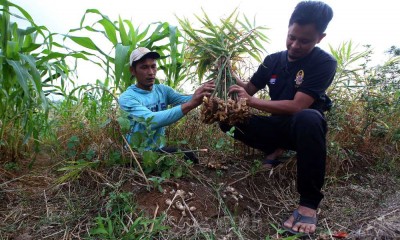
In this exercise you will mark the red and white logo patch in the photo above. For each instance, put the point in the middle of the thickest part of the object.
(272, 80)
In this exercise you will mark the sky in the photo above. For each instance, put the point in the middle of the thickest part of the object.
(363, 22)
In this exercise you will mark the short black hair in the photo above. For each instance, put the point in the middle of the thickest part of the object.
(312, 12)
(134, 63)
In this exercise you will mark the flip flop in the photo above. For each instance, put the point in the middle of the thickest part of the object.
(302, 219)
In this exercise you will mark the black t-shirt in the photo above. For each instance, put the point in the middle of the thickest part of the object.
(311, 75)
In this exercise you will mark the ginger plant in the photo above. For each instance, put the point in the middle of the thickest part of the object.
(215, 51)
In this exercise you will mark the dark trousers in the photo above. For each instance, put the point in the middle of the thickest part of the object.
(303, 132)
(187, 154)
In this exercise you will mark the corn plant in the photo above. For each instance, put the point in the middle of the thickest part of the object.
(123, 37)
(28, 65)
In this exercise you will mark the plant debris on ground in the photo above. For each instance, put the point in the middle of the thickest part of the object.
(235, 200)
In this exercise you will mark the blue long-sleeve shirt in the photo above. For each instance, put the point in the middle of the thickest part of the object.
(143, 105)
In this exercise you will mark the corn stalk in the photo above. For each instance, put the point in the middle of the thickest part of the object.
(27, 66)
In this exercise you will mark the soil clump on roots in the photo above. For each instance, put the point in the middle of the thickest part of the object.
(231, 112)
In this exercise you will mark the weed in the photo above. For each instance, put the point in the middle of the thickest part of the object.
(157, 182)
(280, 232)
(226, 144)
(11, 166)
(122, 221)
(255, 167)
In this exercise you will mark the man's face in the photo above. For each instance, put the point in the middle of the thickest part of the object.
(301, 40)
(145, 73)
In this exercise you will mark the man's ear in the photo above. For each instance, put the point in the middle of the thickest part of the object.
(132, 70)
(321, 37)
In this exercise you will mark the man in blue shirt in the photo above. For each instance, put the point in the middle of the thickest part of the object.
(297, 80)
(148, 102)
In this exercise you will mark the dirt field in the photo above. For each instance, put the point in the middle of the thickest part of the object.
(229, 202)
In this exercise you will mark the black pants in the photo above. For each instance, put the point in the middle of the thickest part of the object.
(303, 132)
(186, 155)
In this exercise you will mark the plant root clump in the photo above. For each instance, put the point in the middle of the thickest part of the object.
(230, 111)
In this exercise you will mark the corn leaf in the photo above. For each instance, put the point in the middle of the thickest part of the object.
(121, 55)
(122, 32)
(110, 29)
(84, 42)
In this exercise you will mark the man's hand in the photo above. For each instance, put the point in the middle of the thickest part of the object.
(301, 101)
(204, 90)
(241, 92)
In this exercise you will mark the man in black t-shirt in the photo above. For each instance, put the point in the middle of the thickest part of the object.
(297, 80)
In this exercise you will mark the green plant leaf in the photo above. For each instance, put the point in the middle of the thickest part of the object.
(110, 30)
(178, 172)
(121, 56)
(84, 42)
(149, 159)
(22, 75)
(122, 32)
